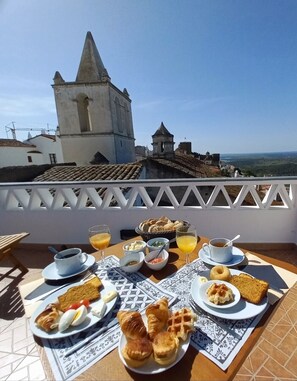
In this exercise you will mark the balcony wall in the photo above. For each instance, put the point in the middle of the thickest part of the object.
(61, 212)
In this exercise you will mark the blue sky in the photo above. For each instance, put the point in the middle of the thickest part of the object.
(219, 73)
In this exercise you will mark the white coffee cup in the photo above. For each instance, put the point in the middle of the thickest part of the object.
(217, 251)
(70, 261)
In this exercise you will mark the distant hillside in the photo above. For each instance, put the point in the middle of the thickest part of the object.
(264, 164)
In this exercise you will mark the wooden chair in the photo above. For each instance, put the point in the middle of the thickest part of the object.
(7, 244)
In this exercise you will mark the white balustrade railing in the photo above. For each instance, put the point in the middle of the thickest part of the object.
(260, 209)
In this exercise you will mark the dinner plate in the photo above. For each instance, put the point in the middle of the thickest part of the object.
(90, 320)
(238, 257)
(152, 367)
(242, 310)
(50, 271)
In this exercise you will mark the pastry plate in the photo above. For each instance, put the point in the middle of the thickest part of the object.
(238, 257)
(50, 272)
(151, 367)
(203, 294)
(242, 310)
(90, 320)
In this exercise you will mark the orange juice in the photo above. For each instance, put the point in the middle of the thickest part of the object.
(186, 243)
(100, 241)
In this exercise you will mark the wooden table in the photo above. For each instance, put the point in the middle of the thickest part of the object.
(194, 366)
(7, 244)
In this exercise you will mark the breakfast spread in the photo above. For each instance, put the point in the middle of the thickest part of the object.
(159, 338)
(251, 289)
(219, 294)
(71, 308)
(220, 272)
(155, 225)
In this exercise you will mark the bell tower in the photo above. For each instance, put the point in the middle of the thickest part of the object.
(94, 116)
(163, 144)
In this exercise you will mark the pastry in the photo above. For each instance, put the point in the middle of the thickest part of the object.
(181, 322)
(137, 352)
(49, 318)
(165, 347)
(220, 272)
(132, 324)
(157, 316)
(219, 294)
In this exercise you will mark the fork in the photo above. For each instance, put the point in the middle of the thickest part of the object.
(199, 310)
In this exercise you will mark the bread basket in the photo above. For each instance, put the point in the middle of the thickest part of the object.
(169, 234)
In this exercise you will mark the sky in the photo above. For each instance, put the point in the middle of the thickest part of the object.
(221, 74)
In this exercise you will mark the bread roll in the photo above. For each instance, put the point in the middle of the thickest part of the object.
(48, 319)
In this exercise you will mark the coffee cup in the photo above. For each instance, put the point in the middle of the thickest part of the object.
(70, 261)
(218, 250)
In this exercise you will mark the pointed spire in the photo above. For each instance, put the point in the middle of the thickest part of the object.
(91, 67)
(162, 130)
(58, 78)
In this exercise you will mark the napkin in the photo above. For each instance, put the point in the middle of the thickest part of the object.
(267, 273)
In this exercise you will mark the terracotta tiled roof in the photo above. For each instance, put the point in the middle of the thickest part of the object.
(92, 172)
(14, 143)
(189, 165)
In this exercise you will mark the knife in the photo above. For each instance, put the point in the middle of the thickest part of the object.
(79, 345)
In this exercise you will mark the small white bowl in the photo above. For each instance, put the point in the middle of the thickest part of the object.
(157, 243)
(138, 257)
(159, 265)
(203, 294)
(136, 246)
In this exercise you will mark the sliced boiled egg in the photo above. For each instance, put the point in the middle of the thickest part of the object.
(81, 314)
(66, 320)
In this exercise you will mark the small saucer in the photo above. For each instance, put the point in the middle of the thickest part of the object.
(50, 272)
(238, 257)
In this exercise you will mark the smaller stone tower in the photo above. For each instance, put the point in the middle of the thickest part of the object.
(163, 144)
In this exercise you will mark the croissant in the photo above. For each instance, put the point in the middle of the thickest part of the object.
(49, 318)
(132, 324)
(157, 317)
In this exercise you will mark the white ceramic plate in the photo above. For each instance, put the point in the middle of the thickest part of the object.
(242, 310)
(238, 257)
(50, 272)
(203, 294)
(90, 320)
(151, 367)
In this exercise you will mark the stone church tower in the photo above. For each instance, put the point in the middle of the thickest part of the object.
(163, 144)
(94, 116)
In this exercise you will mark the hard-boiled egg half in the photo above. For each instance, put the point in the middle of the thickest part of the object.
(72, 317)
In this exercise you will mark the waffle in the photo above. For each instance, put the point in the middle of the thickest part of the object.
(181, 322)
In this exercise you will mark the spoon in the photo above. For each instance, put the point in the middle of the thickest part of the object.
(160, 251)
(231, 240)
(53, 251)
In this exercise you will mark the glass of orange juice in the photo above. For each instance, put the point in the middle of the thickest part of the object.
(186, 239)
(99, 237)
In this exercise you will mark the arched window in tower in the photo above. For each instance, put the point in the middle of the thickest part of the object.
(83, 108)
(127, 121)
(118, 114)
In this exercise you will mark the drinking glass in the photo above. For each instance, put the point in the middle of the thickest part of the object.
(99, 237)
(186, 239)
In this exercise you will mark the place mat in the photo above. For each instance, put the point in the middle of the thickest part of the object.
(218, 339)
(135, 292)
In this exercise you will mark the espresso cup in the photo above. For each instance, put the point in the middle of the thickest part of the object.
(70, 261)
(217, 251)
